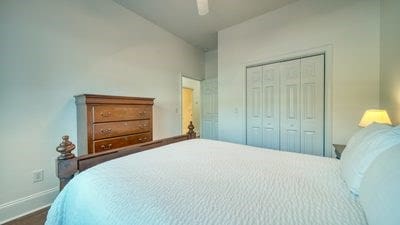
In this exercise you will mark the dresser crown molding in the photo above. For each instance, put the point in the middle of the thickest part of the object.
(112, 99)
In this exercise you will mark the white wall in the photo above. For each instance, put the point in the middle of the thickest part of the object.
(51, 50)
(390, 58)
(211, 64)
(195, 85)
(350, 28)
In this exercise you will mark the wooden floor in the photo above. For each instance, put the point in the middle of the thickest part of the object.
(35, 218)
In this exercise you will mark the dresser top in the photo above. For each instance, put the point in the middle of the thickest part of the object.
(110, 99)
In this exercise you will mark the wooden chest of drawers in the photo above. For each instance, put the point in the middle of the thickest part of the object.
(108, 122)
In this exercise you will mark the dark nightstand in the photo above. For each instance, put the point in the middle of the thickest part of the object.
(338, 150)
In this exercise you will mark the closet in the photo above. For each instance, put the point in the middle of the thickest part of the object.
(285, 105)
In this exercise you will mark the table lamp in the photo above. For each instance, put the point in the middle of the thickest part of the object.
(374, 115)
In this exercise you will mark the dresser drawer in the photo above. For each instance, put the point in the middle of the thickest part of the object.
(114, 129)
(112, 143)
(108, 113)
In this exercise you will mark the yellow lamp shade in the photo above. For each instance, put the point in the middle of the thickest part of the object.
(374, 115)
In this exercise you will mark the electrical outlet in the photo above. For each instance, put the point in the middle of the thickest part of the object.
(37, 175)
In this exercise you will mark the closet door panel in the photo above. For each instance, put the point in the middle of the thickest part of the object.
(312, 105)
(209, 101)
(290, 106)
(254, 106)
(270, 112)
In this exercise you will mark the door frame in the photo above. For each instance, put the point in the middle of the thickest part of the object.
(327, 50)
(179, 111)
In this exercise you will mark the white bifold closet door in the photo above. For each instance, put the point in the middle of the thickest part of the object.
(254, 106)
(209, 105)
(290, 106)
(270, 104)
(285, 105)
(312, 105)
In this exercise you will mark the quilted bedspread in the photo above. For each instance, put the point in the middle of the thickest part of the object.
(209, 182)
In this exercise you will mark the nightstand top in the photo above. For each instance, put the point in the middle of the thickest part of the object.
(339, 146)
(339, 149)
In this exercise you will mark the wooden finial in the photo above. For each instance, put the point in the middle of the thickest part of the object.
(191, 132)
(65, 149)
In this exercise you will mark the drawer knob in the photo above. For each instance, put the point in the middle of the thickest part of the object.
(143, 139)
(106, 147)
(106, 131)
(143, 113)
(105, 114)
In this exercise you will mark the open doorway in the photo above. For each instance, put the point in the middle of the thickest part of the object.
(191, 109)
(187, 107)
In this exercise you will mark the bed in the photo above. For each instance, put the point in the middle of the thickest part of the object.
(198, 181)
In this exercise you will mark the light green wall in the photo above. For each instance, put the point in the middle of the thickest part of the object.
(211, 64)
(390, 58)
(350, 27)
(51, 50)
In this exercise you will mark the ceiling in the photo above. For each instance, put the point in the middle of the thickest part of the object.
(180, 17)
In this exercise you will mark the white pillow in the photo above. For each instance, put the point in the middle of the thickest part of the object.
(358, 136)
(364, 154)
(380, 189)
(346, 158)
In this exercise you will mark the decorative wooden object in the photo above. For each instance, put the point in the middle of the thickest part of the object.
(191, 132)
(65, 148)
(68, 165)
(109, 122)
(66, 161)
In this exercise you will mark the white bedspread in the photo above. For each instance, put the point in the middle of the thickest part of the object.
(209, 182)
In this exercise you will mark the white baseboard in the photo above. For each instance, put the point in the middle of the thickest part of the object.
(26, 205)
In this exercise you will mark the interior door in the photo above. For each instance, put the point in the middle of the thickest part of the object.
(312, 105)
(209, 117)
(290, 106)
(270, 103)
(187, 108)
(254, 106)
